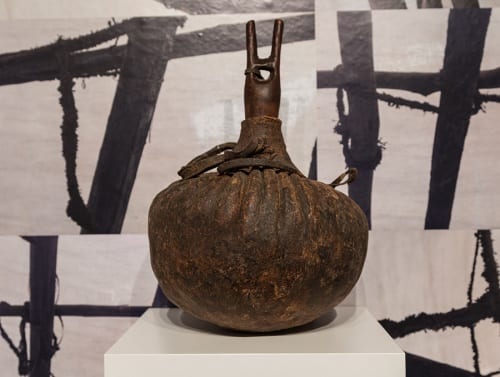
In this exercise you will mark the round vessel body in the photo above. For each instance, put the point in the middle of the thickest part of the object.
(256, 251)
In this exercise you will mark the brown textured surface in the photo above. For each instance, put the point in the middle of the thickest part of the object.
(256, 249)
(256, 246)
(259, 252)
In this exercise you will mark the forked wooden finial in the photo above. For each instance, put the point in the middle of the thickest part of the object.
(263, 94)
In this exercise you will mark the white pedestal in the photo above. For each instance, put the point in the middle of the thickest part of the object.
(167, 342)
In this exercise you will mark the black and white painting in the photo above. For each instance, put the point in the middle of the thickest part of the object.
(346, 5)
(411, 98)
(98, 285)
(435, 292)
(98, 115)
(101, 103)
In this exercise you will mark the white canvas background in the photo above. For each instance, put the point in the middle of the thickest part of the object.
(410, 4)
(200, 106)
(92, 270)
(54, 9)
(413, 41)
(406, 272)
(409, 272)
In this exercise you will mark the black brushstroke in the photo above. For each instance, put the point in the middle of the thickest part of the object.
(472, 326)
(490, 272)
(361, 126)
(423, 83)
(41, 64)
(313, 166)
(142, 71)
(398, 102)
(418, 366)
(424, 4)
(487, 306)
(239, 6)
(76, 208)
(387, 4)
(161, 301)
(462, 317)
(464, 50)
(43, 257)
(7, 310)
(461, 4)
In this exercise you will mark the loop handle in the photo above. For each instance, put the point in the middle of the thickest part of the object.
(351, 175)
(206, 161)
(228, 158)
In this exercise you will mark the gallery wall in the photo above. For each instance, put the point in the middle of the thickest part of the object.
(378, 104)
